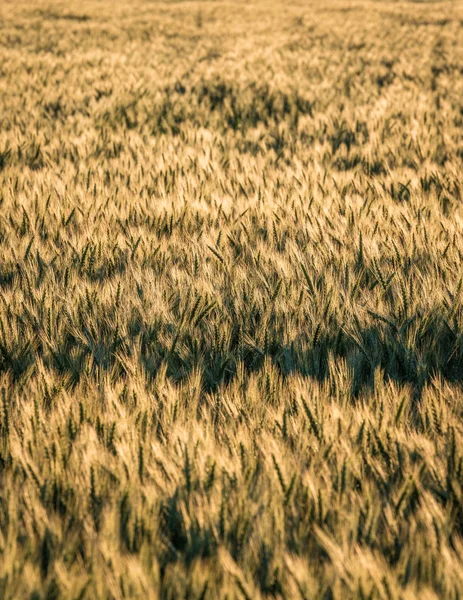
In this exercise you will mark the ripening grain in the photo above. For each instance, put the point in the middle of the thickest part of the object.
(231, 300)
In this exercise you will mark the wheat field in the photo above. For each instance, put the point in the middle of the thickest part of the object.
(231, 304)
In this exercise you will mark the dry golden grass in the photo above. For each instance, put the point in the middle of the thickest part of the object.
(231, 304)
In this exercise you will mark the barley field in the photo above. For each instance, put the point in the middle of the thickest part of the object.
(231, 300)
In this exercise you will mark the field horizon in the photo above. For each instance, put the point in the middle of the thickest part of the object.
(231, 300)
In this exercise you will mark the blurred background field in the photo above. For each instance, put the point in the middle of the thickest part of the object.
(231, 300)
